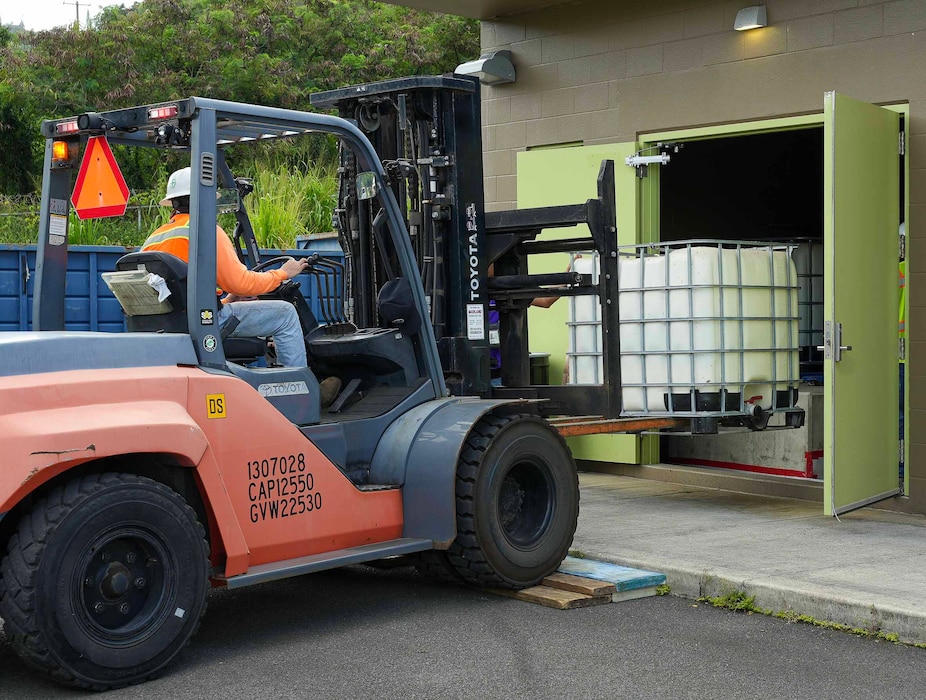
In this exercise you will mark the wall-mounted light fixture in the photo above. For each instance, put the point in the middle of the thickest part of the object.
(493, 68)
(751, 18)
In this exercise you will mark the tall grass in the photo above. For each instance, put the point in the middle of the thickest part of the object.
(19, 219)
(287, 202)
(19, 222)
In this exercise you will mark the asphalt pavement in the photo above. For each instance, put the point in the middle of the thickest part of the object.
(360, 633)
(865, 570)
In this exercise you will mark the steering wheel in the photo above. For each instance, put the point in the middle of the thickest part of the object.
(278, 260)
(286, 286)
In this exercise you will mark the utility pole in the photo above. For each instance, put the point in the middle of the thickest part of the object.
(77, 5)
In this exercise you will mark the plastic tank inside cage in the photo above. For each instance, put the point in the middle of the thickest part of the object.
(706, 327)
(808, 260)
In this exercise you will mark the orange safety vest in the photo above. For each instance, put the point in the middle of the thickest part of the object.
(173, 237)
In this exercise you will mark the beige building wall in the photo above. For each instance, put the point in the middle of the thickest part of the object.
(607, 71)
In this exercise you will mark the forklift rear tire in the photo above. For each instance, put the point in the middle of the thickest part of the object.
(104, 581)
(517, 499)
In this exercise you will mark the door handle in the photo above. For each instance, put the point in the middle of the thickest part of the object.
(832, 338)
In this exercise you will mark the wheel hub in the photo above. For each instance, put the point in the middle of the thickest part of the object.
(115, 581)
(122, 584)
(525, 503)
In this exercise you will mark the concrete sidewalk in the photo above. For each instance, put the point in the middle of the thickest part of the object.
(867, 570)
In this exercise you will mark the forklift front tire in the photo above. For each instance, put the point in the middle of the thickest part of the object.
(517, 500)
(105, 581)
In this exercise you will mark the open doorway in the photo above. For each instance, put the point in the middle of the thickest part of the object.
(756, 187)
(752, 187)
(762, 186)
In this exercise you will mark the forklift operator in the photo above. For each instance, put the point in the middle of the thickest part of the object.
(265, 317)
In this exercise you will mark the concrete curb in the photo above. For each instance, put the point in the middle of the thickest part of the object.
(909, 626)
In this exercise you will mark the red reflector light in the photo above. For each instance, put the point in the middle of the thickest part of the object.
(162, 112)
(66, 127)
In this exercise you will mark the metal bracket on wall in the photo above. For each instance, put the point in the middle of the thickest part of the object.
(641, 163)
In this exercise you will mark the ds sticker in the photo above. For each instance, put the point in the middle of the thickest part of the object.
(215, 406)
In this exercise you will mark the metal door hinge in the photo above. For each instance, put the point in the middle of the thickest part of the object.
(901, 144)
(902, 349)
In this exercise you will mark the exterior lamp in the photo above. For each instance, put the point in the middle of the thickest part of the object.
(751, 18)
(493, 68)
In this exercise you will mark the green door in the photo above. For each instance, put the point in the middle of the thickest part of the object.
(860, 187)
(554, 176)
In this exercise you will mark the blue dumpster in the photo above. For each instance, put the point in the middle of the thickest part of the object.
(89, 305)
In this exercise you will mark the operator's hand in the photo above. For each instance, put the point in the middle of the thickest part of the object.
(293, 267)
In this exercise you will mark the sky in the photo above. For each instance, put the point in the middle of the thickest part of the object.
(45, 14)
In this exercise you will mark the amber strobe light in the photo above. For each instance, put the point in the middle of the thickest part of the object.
(60, 151)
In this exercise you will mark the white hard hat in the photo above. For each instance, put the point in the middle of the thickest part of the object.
(178, 185)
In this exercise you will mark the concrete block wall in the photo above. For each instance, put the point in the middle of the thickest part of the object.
(606, 71)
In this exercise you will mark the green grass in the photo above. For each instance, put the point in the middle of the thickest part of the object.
(287, 202)
(19, 222)
(738, 601)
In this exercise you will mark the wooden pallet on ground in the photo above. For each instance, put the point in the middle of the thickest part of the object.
(563, 591)
(583, 582)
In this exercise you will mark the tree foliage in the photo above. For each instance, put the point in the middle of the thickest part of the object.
(273, 52)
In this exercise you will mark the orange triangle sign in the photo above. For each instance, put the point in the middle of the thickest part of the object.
(100, 189)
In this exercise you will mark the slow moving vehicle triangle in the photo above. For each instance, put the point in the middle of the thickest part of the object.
(100, 190)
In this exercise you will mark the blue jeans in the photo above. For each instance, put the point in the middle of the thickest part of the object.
(266, 317)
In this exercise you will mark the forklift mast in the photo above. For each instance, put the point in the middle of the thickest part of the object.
(426, 131)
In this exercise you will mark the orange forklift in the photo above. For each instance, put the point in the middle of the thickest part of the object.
(140, 469)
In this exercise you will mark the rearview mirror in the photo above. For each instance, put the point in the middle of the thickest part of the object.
(366, 185)
(227, 200)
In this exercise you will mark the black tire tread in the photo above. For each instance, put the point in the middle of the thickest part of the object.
(18, 569)
(435, 565)
(465, 555)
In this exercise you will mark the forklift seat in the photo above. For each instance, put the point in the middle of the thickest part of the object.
(174, 272)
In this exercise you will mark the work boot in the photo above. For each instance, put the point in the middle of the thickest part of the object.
(329, 387)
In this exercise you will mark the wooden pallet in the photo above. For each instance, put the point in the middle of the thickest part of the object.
(563, 592)
(583, 582)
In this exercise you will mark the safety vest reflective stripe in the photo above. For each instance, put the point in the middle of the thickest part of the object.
(172, 238)
(167, 235)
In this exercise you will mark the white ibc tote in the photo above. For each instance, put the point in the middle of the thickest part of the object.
(706, 327)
